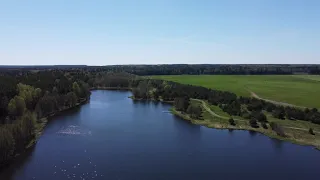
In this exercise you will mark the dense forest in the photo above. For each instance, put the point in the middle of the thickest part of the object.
(177, 69)
(29, 95)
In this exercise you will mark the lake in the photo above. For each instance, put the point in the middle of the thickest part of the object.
(113, 137)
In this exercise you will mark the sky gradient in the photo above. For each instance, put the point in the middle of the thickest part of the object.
(103, 32)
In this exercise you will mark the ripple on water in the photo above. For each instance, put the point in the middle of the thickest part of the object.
(73, 130)
(90, 171)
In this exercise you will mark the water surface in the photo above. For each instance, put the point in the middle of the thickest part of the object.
(113, 137)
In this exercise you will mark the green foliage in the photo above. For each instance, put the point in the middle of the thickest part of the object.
(259, 116)
(311, 131)
(278, 129)
(76, 89)
(6, 145)
(234, 108)
(232, 122)
(142, 90)
(264, 125)
(22, 101)
(253, 123)
(279, 113)
(194, 111)
(181, 103)
(16, 106)
(28, 123)
(246, 115)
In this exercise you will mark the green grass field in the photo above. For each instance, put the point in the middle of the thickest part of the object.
(301, 90)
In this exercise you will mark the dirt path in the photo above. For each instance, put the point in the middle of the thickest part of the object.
(272, 101)
(204, 105)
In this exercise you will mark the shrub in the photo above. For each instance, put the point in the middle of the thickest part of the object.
(259, 116)
(264, 125)
(246, 115)
(194, 111)
(232, 122)
(311, 131)
(253, 123)
(278, 129)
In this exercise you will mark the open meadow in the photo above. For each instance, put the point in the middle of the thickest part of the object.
(300, 90)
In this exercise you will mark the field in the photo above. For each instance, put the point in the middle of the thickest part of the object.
(299, 90)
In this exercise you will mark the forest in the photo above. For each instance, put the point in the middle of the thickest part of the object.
(27, 96)
(195, 69)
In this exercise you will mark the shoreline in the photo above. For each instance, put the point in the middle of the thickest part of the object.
(45, 120)
(111, 88)
(155, 100)
(244, 128)
(39, 130)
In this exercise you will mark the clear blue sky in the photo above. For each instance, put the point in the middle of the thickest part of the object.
(102, 32)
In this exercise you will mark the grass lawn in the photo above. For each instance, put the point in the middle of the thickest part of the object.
(301, 90)
(311, 77)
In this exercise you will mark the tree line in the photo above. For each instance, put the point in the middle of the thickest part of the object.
(177, 69)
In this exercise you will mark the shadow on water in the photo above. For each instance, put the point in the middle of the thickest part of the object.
(277, 144)
(181, 123)
(253, 133)
(69, 112)
(7, 173)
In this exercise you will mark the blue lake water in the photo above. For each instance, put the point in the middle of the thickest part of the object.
(113, 137)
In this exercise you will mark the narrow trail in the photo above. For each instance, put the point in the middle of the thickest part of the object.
(253, 94)
(274, 102)
(204, 105)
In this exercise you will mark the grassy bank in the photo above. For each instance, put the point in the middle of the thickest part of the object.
(297, 136)
(294, 89)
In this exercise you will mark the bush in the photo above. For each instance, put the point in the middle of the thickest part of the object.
(194, 111)
(311, 131)
(278, 129)
(259, 116)
(264, 125)
(253, 123)
(279, 113)
(232, 122)
(246, 115)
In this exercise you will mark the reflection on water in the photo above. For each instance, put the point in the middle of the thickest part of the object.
(18, 163)
(277, 144)
(252, 133)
